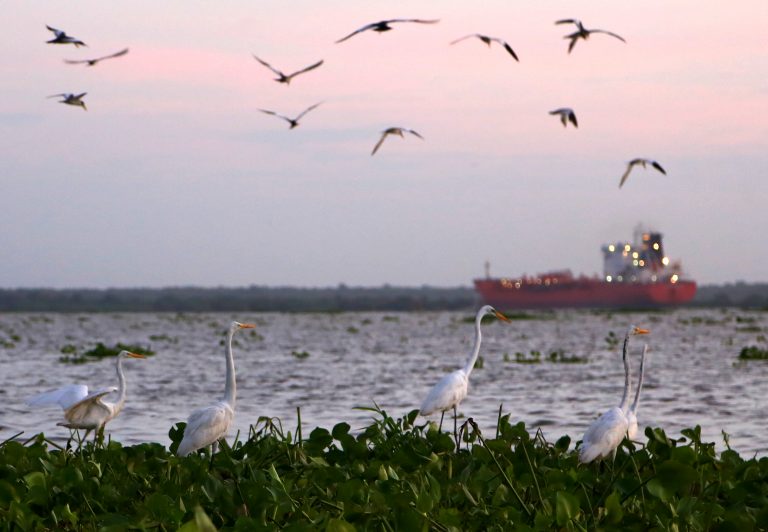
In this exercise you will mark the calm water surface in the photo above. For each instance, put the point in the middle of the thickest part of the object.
(693, 375)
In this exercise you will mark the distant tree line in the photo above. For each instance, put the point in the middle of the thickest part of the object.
(291, 299)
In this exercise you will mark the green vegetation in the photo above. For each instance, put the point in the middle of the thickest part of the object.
(535, 357)
(393, 475)
(99, 352)
(753, 353)
(300, 354)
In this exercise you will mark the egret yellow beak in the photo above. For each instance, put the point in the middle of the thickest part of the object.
(638, 330)
(247, 326)
(136, 355)
(500, 316)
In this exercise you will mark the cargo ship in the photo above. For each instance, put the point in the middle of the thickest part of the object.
(636, 274)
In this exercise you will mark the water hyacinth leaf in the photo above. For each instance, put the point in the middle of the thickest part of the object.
(613, 511)
(339, 525)
(566, 507)
(199, 523)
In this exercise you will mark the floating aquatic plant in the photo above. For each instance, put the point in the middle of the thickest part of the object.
(753, 352)
(100, 351)
(395, 474)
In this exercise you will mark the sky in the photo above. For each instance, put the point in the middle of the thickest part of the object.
(173, 176)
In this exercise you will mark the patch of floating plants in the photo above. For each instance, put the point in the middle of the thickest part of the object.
(394, 474)
(73, 356)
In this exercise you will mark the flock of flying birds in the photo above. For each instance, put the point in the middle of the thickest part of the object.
(566, 114)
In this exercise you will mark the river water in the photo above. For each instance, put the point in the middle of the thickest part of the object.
(328, 364)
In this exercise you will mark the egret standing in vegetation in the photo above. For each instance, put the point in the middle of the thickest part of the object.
(87, 411)
(206, 426)
(632, 414)
(452, 389)
(605, 434)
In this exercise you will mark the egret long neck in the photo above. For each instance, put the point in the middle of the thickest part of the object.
(627, 377)
(476, 349)
(120, 385)
(639, 383)
(231, 387)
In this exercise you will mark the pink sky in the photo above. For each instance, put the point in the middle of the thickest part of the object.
(173, 159)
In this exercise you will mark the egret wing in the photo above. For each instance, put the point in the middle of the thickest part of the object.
(447, 393)
(205, 426)
(604, 435)
(64, 397)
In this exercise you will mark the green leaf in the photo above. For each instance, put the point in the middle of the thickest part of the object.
(566, 507)
(339, 525)
(613, 511)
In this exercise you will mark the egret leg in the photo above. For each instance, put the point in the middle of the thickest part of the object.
(442, 415)
(455, 428)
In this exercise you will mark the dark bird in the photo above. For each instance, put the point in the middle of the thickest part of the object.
(582, 32)
(566, 114)
(92, 62)
(71, 99)
(286, 78)
(488, 40)
(294, 122)
(384, 25)
(394, 131)
(642, 162)
(63, 38)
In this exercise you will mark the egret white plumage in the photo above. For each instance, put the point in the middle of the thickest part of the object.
(83, 410)
(206, 426)
(451, 390)
(604, 435)
(632, 414)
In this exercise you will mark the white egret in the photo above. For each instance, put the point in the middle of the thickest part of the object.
(632, 414)
(384, 25)
(452, 389)
(83, 410)
(642, 162)
(206, 426)
(604, 435)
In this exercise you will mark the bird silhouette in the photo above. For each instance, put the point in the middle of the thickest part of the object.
(642, 162)
(394, 131)
(286, 78)
(488, 40)
(582, 32)
(71, 99)
(61, 37)
(92, 62)
(294, 122)
(384, 25)
(566, 115)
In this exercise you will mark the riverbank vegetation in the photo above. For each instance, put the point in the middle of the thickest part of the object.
(395, 474)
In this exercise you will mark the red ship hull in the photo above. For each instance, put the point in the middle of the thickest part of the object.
(507, 294)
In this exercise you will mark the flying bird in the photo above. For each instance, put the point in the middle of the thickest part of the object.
(582, 32)
(206, 426)
(642, 162)
(632, 414)
(394, 131)
(488, 40)
(566, 115)
(451, 390)
(61, 37)
(92, 62)
(286, 78)
(604, 435)
(384, 25)
(294, 122)
(71, 99)
(83, 410)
